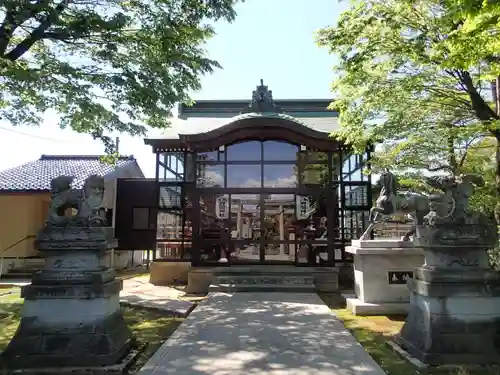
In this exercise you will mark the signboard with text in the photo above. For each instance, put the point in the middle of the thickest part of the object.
(399, 277)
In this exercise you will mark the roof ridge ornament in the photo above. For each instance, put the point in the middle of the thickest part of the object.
(262, 101)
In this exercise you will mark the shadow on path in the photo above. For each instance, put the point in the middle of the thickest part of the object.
(261, 333)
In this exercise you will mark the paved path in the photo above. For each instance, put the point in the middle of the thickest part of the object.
(259, 334)
(139, 292)
(15, 282)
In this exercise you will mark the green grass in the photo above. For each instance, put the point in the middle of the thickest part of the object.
(374, 331)
(150, 328)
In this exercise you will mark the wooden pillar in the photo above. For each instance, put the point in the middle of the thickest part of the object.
(282, 229)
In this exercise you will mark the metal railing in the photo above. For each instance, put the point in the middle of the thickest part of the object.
(2, 254)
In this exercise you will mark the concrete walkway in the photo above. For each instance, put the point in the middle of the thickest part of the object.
(258, 334)
(138, 291)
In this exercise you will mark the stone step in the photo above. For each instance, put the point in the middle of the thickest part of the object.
(265, 275)
(269, 270)
(287, 288)
(264, 279)
(34, 261)
(19, 275)
(25, 269)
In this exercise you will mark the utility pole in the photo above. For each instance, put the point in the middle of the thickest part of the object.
(117, 141)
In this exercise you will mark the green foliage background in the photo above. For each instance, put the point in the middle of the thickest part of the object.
(420, 79)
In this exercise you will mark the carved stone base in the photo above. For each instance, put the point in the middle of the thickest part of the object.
(119, 368)
(105, 341)
(71, 314)
(453, 321)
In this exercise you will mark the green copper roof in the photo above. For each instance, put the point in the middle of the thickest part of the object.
(205, 116)
(269, 115)
(197, 125)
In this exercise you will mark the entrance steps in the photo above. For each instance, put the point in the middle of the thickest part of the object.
(24, 269)
(262, 279)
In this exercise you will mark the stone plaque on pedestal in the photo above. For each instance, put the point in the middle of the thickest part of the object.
(71, 315)
(455, 296)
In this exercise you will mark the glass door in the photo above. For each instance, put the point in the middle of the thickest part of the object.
(277, 228)
(245, 228)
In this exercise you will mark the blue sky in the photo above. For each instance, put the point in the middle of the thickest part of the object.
(270, 39)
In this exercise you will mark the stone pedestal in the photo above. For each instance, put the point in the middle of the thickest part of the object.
(168, 273)
(381, 270)
(71, 314)
(455, 298)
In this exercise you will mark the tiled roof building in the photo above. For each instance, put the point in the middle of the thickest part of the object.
(36, 175)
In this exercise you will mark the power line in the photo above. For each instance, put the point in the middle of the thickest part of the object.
(36, 136)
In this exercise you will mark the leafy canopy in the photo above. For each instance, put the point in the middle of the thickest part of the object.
(398, 84)
(475, 41)
(103, 65)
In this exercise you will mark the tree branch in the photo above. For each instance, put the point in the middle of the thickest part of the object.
(6, 30)
(37, 33)
(466, 149)
(480, 107)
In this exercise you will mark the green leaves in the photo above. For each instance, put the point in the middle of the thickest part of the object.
(103, 65)
(475, 40)
(399, 84)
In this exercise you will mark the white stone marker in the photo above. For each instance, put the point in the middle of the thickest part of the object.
(381, 270)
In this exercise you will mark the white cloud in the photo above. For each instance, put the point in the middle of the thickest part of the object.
(215, 178)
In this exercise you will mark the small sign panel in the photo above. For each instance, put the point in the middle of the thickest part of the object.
(399, 277)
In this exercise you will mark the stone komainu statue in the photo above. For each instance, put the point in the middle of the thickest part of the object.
(451, 205)
(87, 201)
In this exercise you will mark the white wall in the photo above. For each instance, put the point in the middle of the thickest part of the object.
(121, 259)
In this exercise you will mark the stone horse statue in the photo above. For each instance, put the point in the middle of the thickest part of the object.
(392, 202)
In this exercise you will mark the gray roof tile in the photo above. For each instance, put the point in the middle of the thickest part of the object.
(36, 175)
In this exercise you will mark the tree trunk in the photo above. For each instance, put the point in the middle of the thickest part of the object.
(495, 87)
(452, 157)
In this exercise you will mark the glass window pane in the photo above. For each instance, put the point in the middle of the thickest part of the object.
(356, 195)
(357, 175)
(210, 175)
(207, 156)
(278, 225)
(170, 197)
(278, 175)
(336, 165)
(352, 168)
(244, 151)
(173, 238)
(355, 223)
(244, 176)
(284, 151)
(169, 225)
(316, 157)
(171, 166)
(315, 174)
(244, 225)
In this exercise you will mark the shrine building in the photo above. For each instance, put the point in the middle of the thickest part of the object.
(248, 183)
